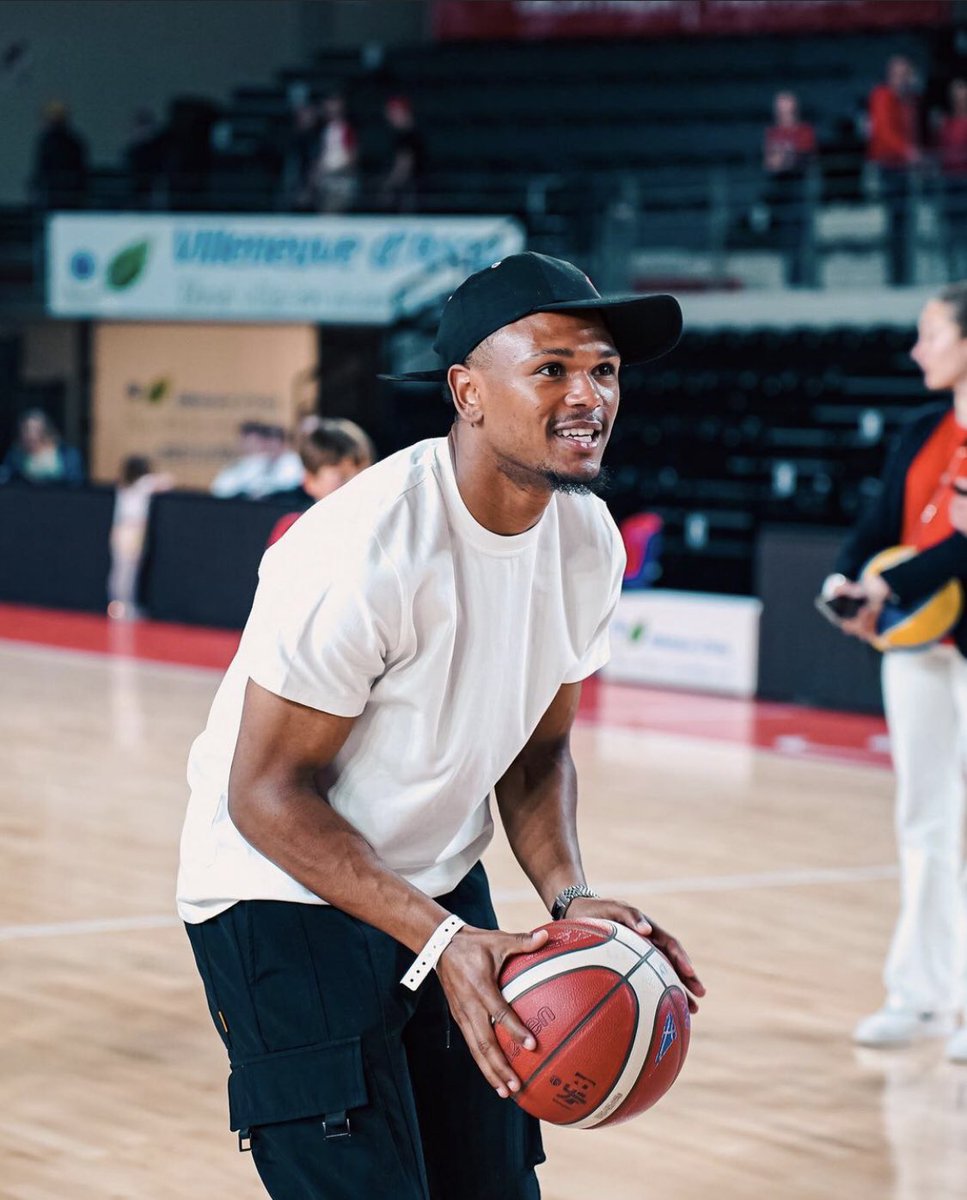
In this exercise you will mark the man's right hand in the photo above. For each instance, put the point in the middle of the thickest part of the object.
(468, 971)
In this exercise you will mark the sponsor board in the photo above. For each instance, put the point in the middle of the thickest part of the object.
(323, 270)
(686, 640)
(551, 19)
(177, 393)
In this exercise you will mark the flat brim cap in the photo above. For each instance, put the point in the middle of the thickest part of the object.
(643, 327)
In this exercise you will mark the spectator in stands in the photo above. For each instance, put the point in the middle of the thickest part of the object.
(59, 175)
(136, 485)
(842, 153)
(266, 464)
(334, 172)
(239, 477)
(283, 467)
(399, 191)
(144, 157)
(332, 452)
(300, 152)
(925, 692)
(188, 152)
(952, 156)
(39, 455)
(894, 146)
(789, 146)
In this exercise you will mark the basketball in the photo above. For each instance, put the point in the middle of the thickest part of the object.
(611, 1022)
(912, 628)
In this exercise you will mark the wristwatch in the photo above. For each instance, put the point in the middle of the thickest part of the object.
(563, 899)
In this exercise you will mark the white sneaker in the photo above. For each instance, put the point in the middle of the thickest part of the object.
(956, 1050)
(900, 1026)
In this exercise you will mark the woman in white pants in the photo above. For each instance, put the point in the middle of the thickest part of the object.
(925, 692)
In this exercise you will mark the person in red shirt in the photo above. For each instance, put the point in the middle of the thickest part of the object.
(894, 146)
(924, 691)
(788, 147)
(952, 157)
(332, 452)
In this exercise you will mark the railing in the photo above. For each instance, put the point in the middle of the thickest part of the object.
(841, 222)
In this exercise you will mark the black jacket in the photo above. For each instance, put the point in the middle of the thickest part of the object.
(881, 526)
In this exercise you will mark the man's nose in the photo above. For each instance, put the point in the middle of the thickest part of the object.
(584, 389)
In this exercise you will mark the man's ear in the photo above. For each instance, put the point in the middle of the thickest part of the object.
(466, 398)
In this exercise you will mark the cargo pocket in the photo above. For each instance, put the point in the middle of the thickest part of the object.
(324, 1081)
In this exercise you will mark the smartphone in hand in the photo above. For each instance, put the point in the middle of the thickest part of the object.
(839, 608)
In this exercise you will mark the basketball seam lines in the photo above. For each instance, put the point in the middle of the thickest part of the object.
(581, 1024)
(563, 953)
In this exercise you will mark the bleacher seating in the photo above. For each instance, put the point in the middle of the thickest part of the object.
(494, 117)
(736, 430)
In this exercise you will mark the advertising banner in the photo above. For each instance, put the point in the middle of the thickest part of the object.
(324, 270)
(543, 19)
(178, 393)
(686, 640)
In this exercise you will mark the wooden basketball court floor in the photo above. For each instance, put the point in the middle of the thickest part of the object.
(774, 863)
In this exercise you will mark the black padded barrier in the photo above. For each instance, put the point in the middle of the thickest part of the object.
(202, 557)
(54, 546)
(803, 659)
(201, 561)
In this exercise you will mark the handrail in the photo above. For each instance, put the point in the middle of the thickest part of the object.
(606, 218)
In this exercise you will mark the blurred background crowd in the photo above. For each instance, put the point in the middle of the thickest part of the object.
(796, 172)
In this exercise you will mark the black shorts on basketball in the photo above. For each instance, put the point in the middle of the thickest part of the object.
(346, 1085)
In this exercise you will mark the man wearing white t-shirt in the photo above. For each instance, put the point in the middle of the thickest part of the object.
(416, 647)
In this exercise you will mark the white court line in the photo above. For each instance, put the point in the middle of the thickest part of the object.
(636, 887)
(104, 658)
(724, 883)
(10, 933)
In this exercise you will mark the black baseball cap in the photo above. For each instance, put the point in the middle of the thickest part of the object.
(643, 327)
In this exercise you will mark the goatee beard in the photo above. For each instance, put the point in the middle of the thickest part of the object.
(570, 486)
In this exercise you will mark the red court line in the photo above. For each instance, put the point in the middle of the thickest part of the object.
(153, 641)
(784, 728)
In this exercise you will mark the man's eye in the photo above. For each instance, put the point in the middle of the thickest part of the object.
(552, 368)
(607, 369)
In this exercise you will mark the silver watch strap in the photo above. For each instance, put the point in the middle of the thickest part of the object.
(563, 899)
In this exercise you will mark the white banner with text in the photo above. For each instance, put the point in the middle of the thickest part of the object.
(688, 640)
(324, 270)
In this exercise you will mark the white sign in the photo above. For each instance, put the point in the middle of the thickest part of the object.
(686, 640)
(324, 270)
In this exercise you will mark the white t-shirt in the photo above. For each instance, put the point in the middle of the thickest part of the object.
(282, 474)
(388, 602)
(239, 477)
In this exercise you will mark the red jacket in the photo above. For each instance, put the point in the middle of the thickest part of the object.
(893, 127)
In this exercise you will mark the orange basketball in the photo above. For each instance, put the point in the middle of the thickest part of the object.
(611, 1021)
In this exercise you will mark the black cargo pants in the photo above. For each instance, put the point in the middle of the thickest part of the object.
(346, 1085)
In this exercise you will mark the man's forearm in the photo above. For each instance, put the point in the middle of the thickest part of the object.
(301, 833)
(537, 798)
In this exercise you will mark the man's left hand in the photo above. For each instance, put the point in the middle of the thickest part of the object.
(625, 914)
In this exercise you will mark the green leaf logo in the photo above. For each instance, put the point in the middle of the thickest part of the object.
(157, 390)
(126, 266)
(637, 632)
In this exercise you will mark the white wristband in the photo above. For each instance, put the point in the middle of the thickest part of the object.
(429, 956)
